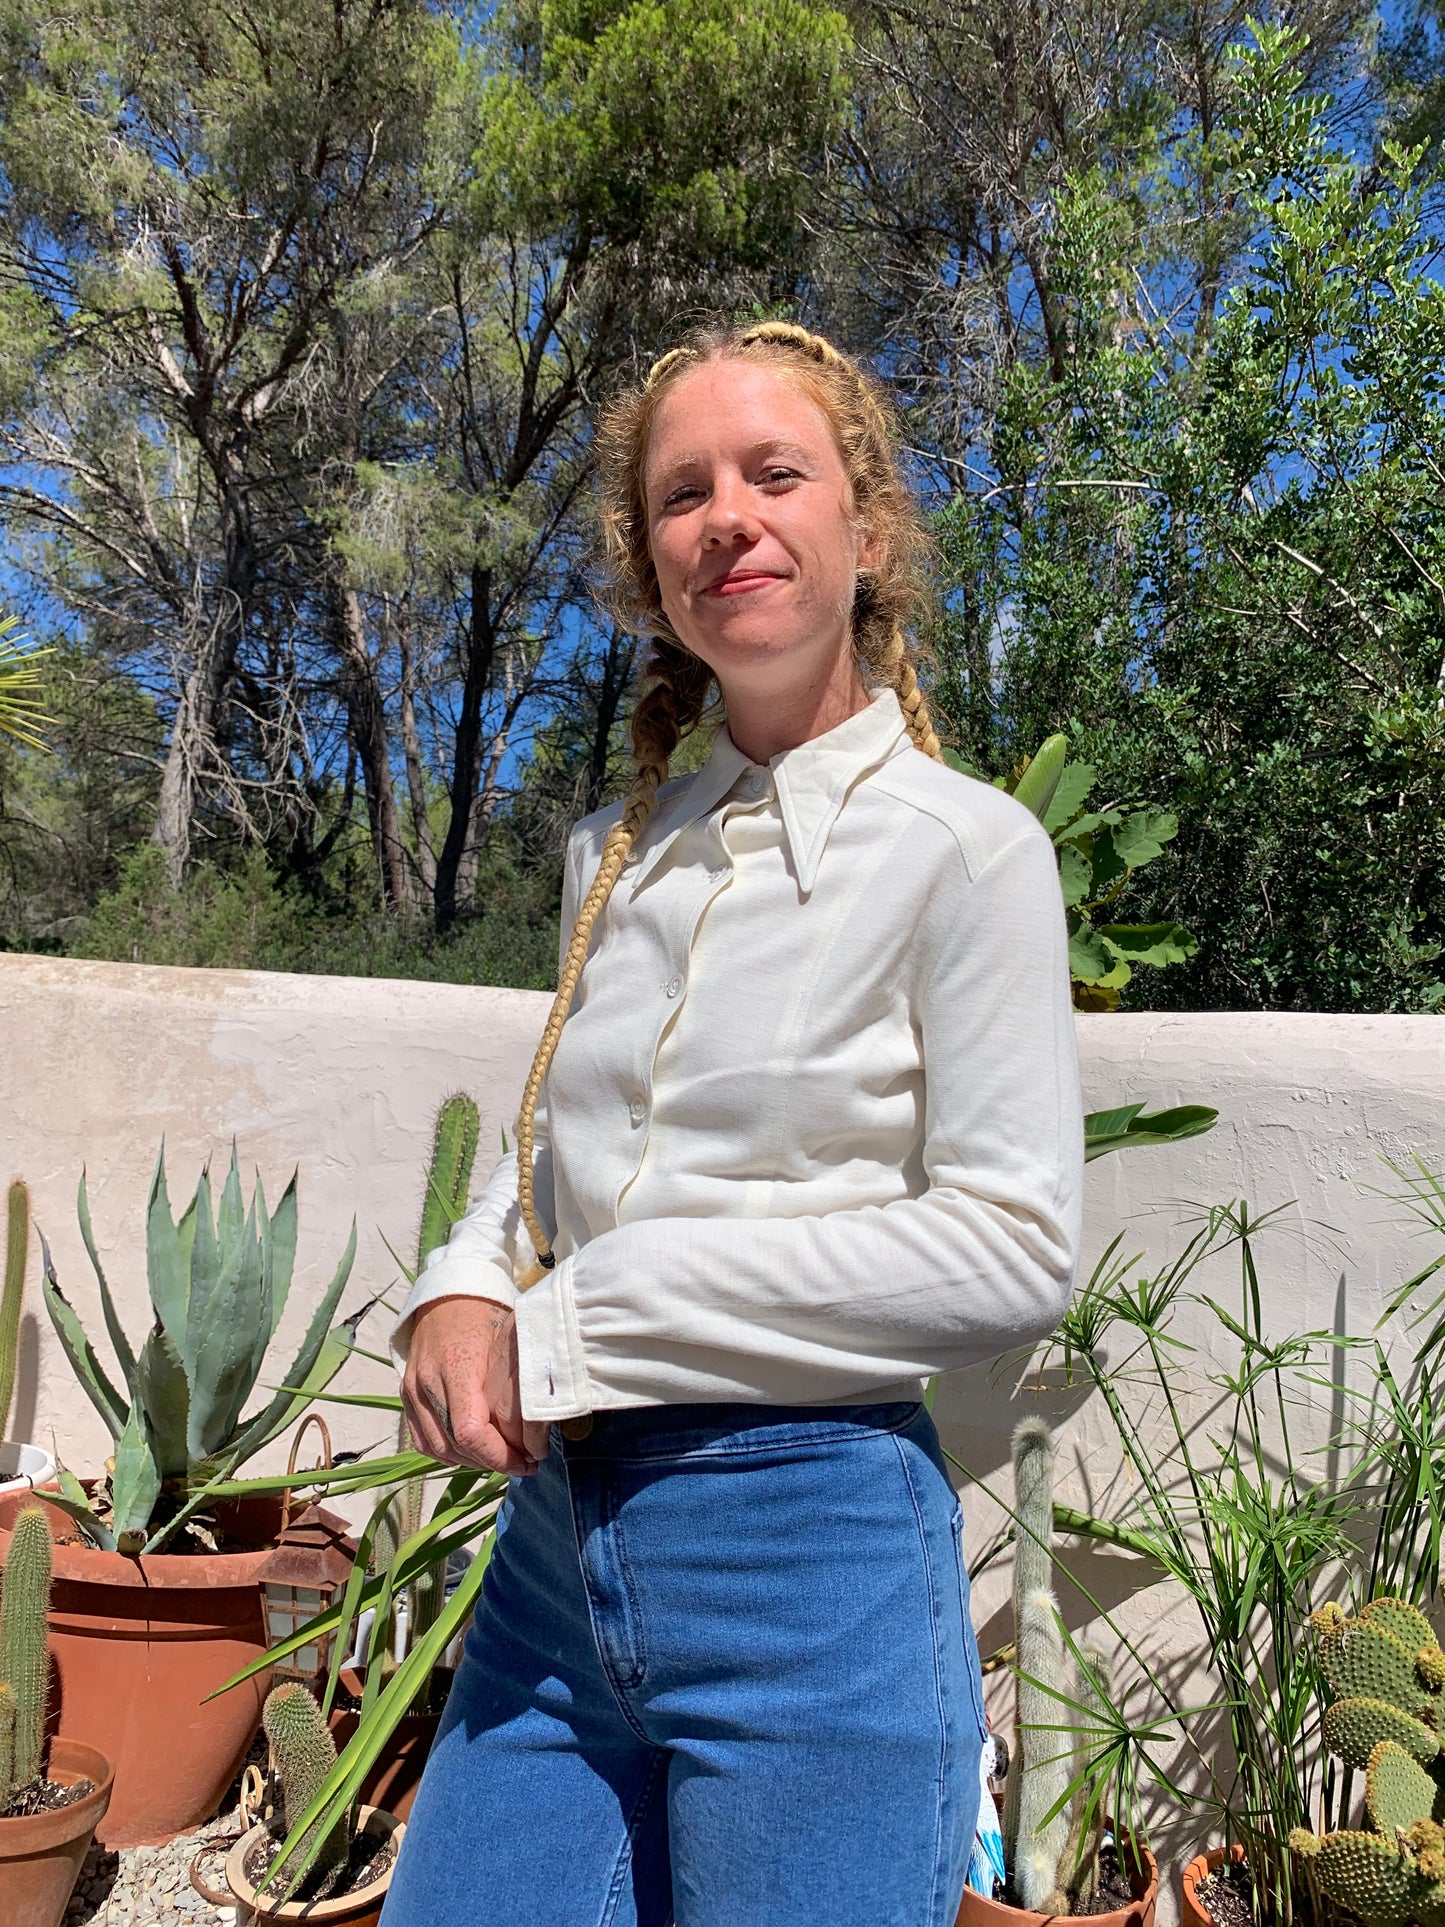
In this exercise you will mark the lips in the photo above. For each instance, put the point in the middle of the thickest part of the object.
(740, 582)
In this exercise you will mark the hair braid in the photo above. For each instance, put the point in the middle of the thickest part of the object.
(662, 716)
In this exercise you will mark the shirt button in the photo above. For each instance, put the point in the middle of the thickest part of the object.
(756, 783)
(637, 1109)
(673, 986)
(717, 875)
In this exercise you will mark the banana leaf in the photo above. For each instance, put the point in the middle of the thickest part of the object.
(1130, 1126)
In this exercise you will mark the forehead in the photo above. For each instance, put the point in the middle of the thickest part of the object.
(729, 406)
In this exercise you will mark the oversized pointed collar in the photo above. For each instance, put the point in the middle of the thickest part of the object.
(813, 780)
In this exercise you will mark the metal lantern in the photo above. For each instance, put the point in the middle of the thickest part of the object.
(301, 1578)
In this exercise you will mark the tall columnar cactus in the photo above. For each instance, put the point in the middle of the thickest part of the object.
(24, 1660)
(302, 1754)
(17, 1242)
(7, 1744)
(1387, 1672)
(1034, 1841)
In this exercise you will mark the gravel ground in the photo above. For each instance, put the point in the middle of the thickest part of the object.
(151, 1886)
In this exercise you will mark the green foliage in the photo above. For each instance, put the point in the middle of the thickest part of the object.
(245, 918)
(17, 1246)
(218, 1284)
(24, 1656)
(1099, 853)
(1215, 547)
(302, 1754)
(449, 1175)
(1395, 1872)
(7, 1743)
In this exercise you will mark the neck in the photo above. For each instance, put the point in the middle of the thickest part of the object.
(763, 723)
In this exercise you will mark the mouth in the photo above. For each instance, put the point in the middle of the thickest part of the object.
(741, 582)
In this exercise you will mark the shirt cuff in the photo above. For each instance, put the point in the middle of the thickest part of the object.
(551, 1367)
(451, 1274)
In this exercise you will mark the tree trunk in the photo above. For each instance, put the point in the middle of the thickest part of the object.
(616, 674)
(192, 747)
(368, 730)
(467, 758)
(426, 856)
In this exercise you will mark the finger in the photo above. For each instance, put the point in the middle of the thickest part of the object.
(480, 1445)
(426, 1430)
(536, 1439)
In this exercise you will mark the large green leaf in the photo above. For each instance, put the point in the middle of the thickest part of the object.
(120, 1343)
(282, 1259)
(1148, 943)
(1142, 834)
(78, 1349)
(168, 1255)
(135, 1483)
(1090, 962)
(162, 1389)
(1129, 1126)
(229, 1311)
(1076, 875)
(1073, 786)
(1038, 785)
(323, 1352)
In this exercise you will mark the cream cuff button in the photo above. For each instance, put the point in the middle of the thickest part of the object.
(672, 986)
(637, 1109)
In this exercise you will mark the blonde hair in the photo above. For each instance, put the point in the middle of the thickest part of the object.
(677, 684)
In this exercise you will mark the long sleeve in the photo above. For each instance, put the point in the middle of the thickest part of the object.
(812, 1308)
(481, 1254)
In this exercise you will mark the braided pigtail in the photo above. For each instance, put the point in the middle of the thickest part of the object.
(668, 707)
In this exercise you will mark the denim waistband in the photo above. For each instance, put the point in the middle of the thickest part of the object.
(729, 1428)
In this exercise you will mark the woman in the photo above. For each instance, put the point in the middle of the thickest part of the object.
(812, 1134)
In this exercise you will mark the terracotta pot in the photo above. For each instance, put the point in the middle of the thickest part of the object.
(40, 1857)
(361, 1909)
(1192, 1910)
(975, 1911)
(138, 1643)
(392, 1781)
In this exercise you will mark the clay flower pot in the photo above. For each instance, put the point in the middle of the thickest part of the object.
(137, 1644)
(392, 1781)
(1192, 1910)
(40, 1856)
(976, 1911)
(360, 1909)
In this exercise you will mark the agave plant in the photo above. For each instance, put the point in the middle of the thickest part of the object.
(218, 1287)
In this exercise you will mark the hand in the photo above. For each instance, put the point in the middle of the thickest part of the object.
(460, 1390)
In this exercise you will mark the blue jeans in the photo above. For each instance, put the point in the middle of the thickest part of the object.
(721, 1672)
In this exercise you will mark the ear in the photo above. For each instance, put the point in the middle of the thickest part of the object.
(870, 549)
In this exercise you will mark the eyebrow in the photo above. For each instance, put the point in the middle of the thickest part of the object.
(768, 445)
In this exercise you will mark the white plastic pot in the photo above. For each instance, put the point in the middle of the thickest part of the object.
(23, 1467)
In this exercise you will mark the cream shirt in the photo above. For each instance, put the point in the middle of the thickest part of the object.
(813, 1129)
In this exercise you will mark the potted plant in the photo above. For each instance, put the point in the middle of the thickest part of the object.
(336, 1872)
(22, 1466)
(1058, 1864)
(155, 1601)
(51, 1800)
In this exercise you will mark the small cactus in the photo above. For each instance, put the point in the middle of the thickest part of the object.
(17, 1243)
(449, 1176)
(24, 1659)
(302, 1754)
(1387, 1670)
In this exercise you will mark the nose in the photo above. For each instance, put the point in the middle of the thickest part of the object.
(732, 514)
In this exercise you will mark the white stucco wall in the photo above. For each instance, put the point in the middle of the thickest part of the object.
(342, 1076)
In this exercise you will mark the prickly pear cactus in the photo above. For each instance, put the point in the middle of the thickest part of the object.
(1387, 1671)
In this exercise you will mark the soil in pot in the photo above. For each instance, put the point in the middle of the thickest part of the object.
(1216, 1893)
(380, 1834)
(370, 1858)
(42, 1848)
(138, 1644)
(1111, 1893)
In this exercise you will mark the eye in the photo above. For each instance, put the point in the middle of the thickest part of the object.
(778, 473)
(680, 497)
